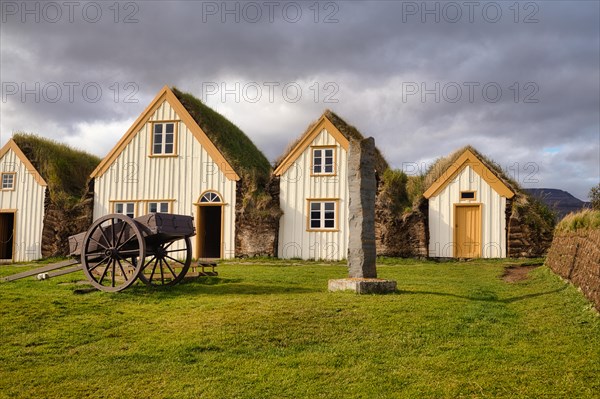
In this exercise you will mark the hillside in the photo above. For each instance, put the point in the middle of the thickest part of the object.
(560, 201)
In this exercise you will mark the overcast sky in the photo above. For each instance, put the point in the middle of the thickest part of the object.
(520, 82)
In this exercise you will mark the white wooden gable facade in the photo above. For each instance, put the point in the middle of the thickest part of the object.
(314, 195)
(166, 163)
(22, 196)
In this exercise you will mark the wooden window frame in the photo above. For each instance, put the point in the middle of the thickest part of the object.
(334, 160)
(336, 202)
(134, 202)
(169, 203)
(175, 139)
(14, 181)
(468, 199)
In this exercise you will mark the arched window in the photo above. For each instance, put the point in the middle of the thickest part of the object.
(210, 197)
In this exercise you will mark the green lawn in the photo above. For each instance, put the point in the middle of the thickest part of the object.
(271, 330)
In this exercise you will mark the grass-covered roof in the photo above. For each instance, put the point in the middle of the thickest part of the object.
(237, 148)
(348, 131)
(65, 169)
(441, 165)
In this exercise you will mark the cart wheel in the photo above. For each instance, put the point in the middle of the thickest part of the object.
(113, 252)
(164, 266)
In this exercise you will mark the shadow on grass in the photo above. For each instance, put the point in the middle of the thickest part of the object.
(216, 286)
(485, 296)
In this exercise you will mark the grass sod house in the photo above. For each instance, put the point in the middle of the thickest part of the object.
(475, 210)
(313, 191)
(182, 157)
(42, 196)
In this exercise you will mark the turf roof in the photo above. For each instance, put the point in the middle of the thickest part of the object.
(348, 131)
(440, 166)
(237, 148)
(66, 170)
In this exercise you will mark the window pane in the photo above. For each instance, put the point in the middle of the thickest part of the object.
(329, 154)
(317, 161)
(329, 215)
(330, 224)
(118, 208)
(315, 206)
(315, 215)
(152, 207)
(164, 207)
(158, 128)
(169, 128)
(169, 138)
(130, 207)
(158, 139)
(317, 153)
(169, 149)
(328, 169)
(157, 149)
(329, 206)
(315, 224)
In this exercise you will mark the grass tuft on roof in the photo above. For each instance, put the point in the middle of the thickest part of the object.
(237, 148)
(65, 169)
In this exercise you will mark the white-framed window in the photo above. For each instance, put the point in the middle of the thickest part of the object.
(8, 181)
(209, 197)
(154, 206)
(125, 208)
(163, 138)
(323, 161)
(322, 215)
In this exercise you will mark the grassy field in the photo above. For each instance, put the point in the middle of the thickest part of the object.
(271, 330)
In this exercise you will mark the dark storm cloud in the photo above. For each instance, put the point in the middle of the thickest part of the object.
(373, 54)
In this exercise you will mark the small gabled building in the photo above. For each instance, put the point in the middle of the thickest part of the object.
(313, 191)
(468, 210)
(182, 157)
(42, 197)
(22, 196)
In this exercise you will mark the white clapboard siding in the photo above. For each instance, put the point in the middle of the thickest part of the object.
(296, 186)
(28, 201)
(493, 216)
(135, 176)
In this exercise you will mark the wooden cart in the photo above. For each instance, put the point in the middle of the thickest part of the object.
(117, 250)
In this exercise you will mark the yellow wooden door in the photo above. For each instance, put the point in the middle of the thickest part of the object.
(467, 231)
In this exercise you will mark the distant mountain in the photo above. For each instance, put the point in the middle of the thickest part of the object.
(559, 201)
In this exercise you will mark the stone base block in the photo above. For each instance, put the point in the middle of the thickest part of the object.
(363, 285)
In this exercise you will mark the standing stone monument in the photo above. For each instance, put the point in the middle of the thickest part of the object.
(362, 251)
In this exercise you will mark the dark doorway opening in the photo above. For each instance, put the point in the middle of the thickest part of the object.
(209, 231)
(7, 230)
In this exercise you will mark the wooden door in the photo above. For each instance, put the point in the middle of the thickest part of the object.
(467, 231)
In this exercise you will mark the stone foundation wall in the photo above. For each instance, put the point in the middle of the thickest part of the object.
(527, 237)
(257, 231)
(60, 223)
(403, 236)
(575, 256)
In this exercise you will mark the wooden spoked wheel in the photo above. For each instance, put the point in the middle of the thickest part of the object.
(165, 264)
(113, 252)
